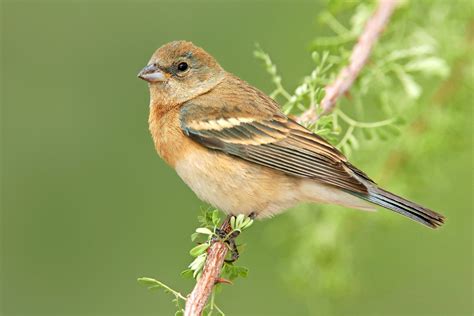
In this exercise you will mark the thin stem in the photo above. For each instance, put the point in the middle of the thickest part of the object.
(346, 136)
(282, 91)
(334, 40)
(355, 123)
(219, 310)
(335, 25)
(212, 305)
(177, 294)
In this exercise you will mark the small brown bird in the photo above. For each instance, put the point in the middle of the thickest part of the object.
(234, 147)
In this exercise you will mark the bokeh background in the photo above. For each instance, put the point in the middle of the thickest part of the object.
(87, 206)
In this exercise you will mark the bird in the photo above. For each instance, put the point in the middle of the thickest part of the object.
(236, 149)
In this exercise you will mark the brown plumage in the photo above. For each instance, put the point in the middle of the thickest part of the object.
(236, 150)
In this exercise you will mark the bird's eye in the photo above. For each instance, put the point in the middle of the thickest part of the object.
(182, 66)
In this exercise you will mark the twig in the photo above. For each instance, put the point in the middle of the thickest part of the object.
(360, 54)
(217, 252)
(202, 290)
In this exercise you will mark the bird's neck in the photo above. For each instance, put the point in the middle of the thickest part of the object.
(157, 120)
(166, 133)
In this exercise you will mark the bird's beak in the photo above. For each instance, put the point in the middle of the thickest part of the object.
(152, 73)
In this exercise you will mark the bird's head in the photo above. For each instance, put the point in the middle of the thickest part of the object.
(179, 71)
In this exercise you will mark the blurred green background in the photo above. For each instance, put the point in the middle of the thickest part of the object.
(87, 206)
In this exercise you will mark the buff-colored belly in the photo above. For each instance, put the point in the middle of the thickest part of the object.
(237, 187)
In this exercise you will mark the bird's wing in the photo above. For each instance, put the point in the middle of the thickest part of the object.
(258, 132)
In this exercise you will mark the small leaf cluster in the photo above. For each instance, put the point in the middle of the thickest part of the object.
(338, 127)
(240, 223)
(210, 220)
(207, 233)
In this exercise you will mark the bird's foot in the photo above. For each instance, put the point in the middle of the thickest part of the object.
(234, 252)
(225, 234)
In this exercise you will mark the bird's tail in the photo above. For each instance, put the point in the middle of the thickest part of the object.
(400, 205)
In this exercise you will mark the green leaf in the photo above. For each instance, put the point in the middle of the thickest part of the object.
(400, 120)
(231, 271)
(429, 66)
(381, 134)
(316, 57)
(187, 274)
(242, 271)
(157, 287)
(366, 133)
(198, 250)
(360, 17)
(247, 223)
(147, 281)
(216, 218)
(353, 141)
(202, 219)
(198, 264)
(416, 51)
(392, 130)
(346, 149)
(239, 221)
(412, 89)
(194, 236)
(197, 274)
(204, 231)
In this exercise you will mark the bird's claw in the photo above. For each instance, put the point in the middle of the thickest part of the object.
(225, 234)
(234, 252)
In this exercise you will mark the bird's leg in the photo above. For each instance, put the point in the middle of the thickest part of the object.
(220, 234)
(226, 234)
(234, 252)
(225, 228)
(231, 242)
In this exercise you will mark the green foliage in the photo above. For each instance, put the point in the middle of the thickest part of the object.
(396, 64)
(309, 95)
(205, 235)
(239, 223)
(392, 84)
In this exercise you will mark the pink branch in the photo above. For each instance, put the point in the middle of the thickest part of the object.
(360, 54)
(216, 254)
(198, 298)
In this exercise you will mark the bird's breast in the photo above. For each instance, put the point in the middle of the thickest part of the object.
(170, 142)
(235, 186)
